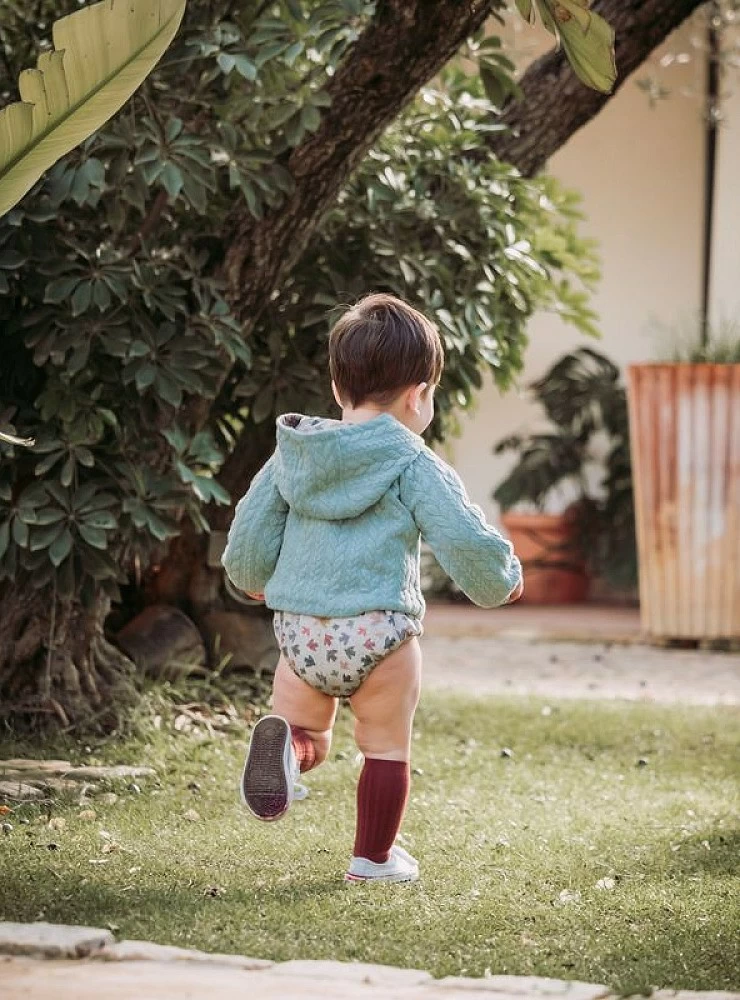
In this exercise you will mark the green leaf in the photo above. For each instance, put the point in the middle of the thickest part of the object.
(93, 536)
(60, 289)
(20, 532)
(101, 55)
(310, 118)
(172, 180)
(526, 9)
(82, 298)
(145, 377)
(245, 67)
(591, 54)
(4, 538)
(42, 538)
(101, 519)
(226, 62)
(61, 548)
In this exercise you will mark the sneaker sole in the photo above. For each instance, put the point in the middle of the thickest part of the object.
(381, 878)
(266, 785)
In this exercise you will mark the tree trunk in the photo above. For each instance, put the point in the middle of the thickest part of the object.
(555, 104)
(55, 661)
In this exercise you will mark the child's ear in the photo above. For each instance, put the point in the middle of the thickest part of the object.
(334, 389)
(415, 395)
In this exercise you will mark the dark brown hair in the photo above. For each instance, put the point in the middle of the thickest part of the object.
(380, 346)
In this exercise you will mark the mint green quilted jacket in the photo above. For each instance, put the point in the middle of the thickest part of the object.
(331, 525)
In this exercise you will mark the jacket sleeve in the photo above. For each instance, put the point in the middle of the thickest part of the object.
(256, 533)
(477, 557)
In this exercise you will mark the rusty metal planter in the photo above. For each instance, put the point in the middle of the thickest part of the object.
(685, 444)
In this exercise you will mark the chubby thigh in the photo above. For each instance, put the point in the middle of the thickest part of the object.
(383, 705)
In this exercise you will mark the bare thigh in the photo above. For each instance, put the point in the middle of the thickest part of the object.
(303, 705)
(385, 704)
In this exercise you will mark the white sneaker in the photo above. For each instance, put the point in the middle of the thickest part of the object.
(400, 867)
(268, 784)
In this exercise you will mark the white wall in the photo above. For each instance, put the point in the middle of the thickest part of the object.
(725, 286)
(640, 172)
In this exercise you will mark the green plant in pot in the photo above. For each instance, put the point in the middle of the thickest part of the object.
(579, 463)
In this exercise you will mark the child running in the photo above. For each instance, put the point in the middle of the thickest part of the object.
(328, 535)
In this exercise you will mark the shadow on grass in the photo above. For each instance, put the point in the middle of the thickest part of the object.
(713, 852)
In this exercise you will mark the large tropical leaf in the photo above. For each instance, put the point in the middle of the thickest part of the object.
(587, 39)
(101, 54)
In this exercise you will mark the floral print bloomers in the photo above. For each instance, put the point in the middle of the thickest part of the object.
(335, 655)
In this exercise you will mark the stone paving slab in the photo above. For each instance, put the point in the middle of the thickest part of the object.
(31, 969)
(52, 940)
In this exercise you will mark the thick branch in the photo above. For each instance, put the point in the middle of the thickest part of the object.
(555, 104)
(406, 44)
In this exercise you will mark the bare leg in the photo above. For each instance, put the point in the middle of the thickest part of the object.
(305, 709)
(385, 704)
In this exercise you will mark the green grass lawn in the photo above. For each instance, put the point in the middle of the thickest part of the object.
(498, 840)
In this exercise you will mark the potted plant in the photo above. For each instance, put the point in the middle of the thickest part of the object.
(685, 444)
(579, 464)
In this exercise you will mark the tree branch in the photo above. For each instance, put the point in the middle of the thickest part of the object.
(407, 42)
(555, 104)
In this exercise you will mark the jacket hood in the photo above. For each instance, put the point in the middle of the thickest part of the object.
(329, 470)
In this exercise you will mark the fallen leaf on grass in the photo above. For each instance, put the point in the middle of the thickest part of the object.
(566, 897)
(606, 883)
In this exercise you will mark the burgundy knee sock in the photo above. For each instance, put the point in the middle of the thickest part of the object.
(305, 750)
(382, 794)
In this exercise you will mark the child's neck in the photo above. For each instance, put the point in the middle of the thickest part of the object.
(361, 414)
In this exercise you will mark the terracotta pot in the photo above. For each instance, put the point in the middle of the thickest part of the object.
(547, 544)
(685, 444)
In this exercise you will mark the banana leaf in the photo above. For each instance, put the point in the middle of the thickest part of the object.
(101, 54)
(587, 39)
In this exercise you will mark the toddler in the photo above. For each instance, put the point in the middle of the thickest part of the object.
(330, 530)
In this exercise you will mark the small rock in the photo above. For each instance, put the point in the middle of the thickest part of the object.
(606, 883)
(192, 816)
(20, 790)
(7, 828)
(87, 815)
(506, 752)
(57, 823)
(567, 896)
(418, 771)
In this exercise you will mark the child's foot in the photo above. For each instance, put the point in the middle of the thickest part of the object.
(269, 779)
(400, 867)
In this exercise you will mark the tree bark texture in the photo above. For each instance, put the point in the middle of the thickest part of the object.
(555, 104)
(405, 45)
(56, 662)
